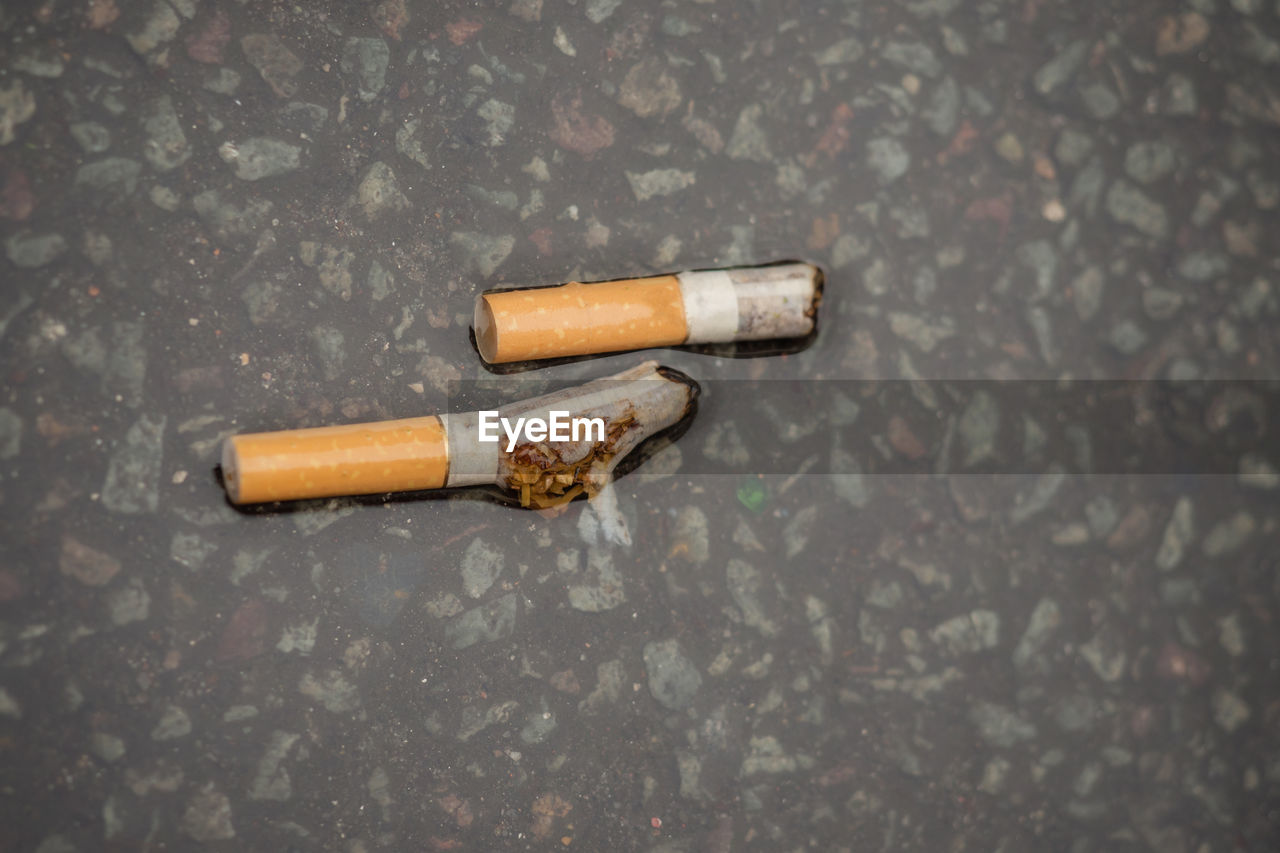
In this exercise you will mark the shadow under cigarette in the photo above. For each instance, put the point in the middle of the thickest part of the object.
(740, 349)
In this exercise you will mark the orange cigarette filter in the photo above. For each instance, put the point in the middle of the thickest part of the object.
(358, 459)
(702, 307)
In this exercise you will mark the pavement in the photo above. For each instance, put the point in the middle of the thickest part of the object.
(221, 216)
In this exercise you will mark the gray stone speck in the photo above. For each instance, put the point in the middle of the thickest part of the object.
(9, 706)
(1256, 472)
(334, 691)
(1038, 498)
(271, 781)
(605, 590)
(1177, 535)
(92, 137)
(304, 116)
(767, 756)
(1147, 162)
(1128, 205)
(261, 157)
(164, 198)
(1231, 635)
(968, 633)
(222, 81)
(1161, 303)
(798, 530)
(1127, 337)
(1203, 265)
(1101, 514)
(379, 193)
(848, 481)
(999, 726)
(673, 679)
(174, 723)
(483, 253)
(330, 346)
(1105, 654)
(1229, 710)
(978, 427)
(1073, 147)
(1086, 290)
(208, 817)
(133, 475)
(888, 158)
(1087, 187)
(1045, 619)
(499, 118)
(1100, 101)
(166, 145)
(481, 566)
(276, 63)
(366, 59)
(842, 52)
(724, 444)
(190, 549)
(1076, 712)
(159, 27)
(692, 535)
(1040, 256)
(227, 221)
(17, 105)
(913, 56)
(129, 603)
(1229, 535)
(29, 250)
(649, 89)
(659, 182)
(1057, 71)
(598, 10)
(746, 585)
(538, 726)
(475, 721)
(1178, 96)
(334, 270)
(409, 145)
(39, 62)
(299, 637)
(1259, 46)
(923, 333)
(484, 624)
(1042, 327)
(943, 108)
(106, 746)
(748, 141)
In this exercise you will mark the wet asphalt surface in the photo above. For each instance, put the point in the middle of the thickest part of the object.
(220, 216)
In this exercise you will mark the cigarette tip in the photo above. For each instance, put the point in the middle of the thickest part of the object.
(230, 469)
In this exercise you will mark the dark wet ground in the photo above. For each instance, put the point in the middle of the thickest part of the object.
(222, 216)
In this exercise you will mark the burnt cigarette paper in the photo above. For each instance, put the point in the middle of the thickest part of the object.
(543, 451)
(702, 307)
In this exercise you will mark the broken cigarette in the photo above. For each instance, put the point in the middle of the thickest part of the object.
(703, 307)
(546, 450)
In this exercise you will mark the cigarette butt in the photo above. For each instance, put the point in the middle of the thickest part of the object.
(702, 307)
(450, 450)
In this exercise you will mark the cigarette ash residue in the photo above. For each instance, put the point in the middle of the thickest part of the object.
(546, 474)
